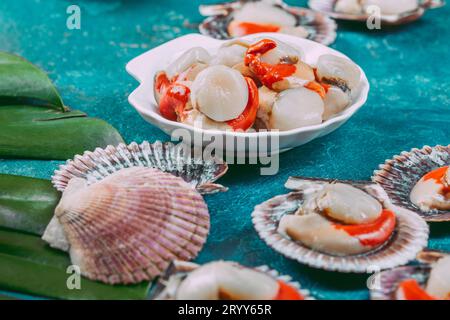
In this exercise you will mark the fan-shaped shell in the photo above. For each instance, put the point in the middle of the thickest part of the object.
(320, 27)
(129, 226)
(327, 7)
(168, 283)
(167, 157)
(384, 285)
(410, 235)
(399, 175)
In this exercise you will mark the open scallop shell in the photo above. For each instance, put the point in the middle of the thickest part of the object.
(167, 157)
(178, 270)
(320, 27)
(399, 175)
(410, 235)
(327, 7)
(130, 226)
(385, 284)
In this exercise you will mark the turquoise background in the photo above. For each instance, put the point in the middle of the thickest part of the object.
(408, 68)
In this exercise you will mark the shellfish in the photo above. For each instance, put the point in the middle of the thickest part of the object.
(391, 12)
(418, 180)
(177, 160)
(240, 18)
(345, 226)
(419, 282)
(255, 85)
(128, 227)
(223, 280)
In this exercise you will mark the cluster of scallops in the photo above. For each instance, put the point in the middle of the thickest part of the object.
(247, 86)
(134, 213)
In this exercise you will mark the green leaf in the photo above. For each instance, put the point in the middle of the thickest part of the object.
(26, 204)
(34, 122)
(40, 133)
(22, 83)
(28, 265)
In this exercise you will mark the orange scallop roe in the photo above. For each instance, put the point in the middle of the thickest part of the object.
(372, 234)
(438, 176)
(239, 29)
(413, 291)
(287, 292)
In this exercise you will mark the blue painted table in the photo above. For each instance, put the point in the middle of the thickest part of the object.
(408, 107)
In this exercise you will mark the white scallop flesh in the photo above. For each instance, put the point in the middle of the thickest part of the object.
(335, 101)
(224, 280)
(282, 52)
(348, 6)
(318, 233)
(229, 55)
(266, 100)
(438, 284)
(264, 13)
(392, 7)
(334, 67)
(220, 92)
(427, 195)
(296, 108)
(298, 31)
(186, 60)
(348, 204)
(197, 119)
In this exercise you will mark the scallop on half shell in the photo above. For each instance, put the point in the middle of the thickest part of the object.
(167, 157)
(385, 285)
(296, 21)
(212, 277)
(129, 226)
(396, 12)
(401, 175)
(409, 234)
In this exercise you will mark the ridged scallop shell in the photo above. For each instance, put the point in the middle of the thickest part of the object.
(327, 7)
(410, 235)
(399, 175)
(129, 226)
(167, 157)
(385, 284)
(320, 27)
(178, 270)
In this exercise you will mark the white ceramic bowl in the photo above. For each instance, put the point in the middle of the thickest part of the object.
(144, 67)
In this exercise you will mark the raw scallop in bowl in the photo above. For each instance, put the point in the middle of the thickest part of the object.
(258, 86)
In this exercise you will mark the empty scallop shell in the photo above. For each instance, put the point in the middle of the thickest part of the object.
(385, 284)
(128, 227)
(399, 175)
(167, 157)
(410, 235)
(168, 283)
(320, 27)
(327, 7)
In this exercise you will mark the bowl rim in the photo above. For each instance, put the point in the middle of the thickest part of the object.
(133, 65)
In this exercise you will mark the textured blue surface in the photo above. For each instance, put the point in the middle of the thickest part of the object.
(408, 107)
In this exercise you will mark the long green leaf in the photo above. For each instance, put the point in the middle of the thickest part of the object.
(34, 123)
(26, 204)
(40, 133)
(22, 82)
(25, 276)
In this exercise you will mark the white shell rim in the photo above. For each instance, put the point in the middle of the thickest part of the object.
(166, 156)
